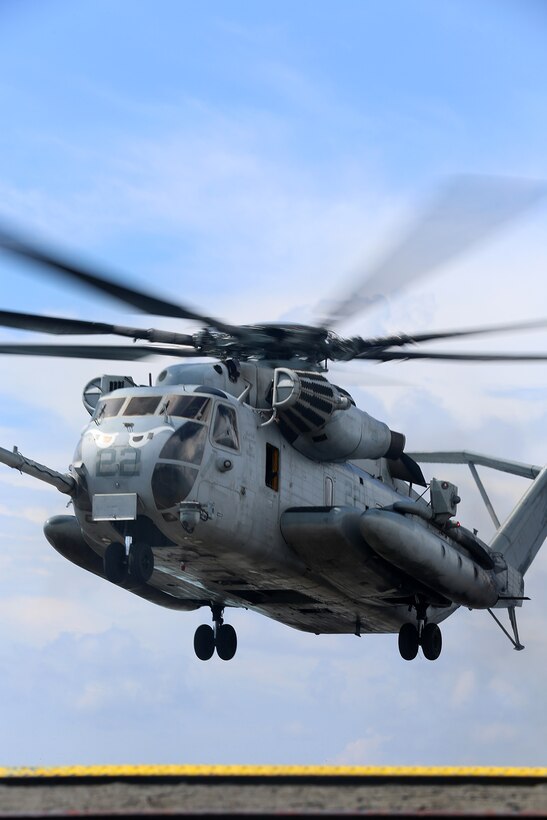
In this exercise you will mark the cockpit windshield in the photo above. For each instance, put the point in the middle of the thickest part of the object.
(188, 407)
(107, 408)
(142, 406)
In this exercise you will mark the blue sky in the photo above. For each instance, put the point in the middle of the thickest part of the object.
(250, 158)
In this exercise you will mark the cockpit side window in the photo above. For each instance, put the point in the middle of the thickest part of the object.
(142, 406)
(225, 427)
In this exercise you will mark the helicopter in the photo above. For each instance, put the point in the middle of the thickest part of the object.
(249, 479)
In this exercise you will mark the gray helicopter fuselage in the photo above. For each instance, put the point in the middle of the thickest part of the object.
(225, 503)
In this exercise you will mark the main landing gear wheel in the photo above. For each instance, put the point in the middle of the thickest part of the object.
(409, 641)
(204, 642)
(226, 642)
(141, 562)
(431, 641)
(115, 563)
(222, 637)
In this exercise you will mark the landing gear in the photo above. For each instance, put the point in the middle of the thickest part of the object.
(226, 642)
(431, 641)
(427, 635)
(139, 564)
(115, 563)
(409, 642)
(204, 642)
(222, 637)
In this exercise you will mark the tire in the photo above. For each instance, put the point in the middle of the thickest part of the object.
(115, 563)
(204, 642)
(226, 642)
(432, 641)
(409, 642)
(141, 562)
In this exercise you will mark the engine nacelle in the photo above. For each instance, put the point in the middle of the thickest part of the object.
(322, 422)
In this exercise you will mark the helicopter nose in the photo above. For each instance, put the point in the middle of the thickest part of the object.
(119, 458)
(157, 466)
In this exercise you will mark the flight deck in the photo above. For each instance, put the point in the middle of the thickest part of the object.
(267, 791)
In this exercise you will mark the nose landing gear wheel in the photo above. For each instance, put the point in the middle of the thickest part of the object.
(226, 642)
(409, 641)
(141, 562)
(431, 641)
(115, 563)
(204, 642)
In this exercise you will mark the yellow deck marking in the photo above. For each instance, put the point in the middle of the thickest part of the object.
(272, 771)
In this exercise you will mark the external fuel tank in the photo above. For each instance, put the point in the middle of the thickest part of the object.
(429, 558)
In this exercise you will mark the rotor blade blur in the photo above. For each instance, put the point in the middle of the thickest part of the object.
(113, 352)
(73, 327)
(466, 211)
(402, 355)
(144, 302)
(414, 338)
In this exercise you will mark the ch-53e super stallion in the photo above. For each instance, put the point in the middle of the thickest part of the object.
(251, 480)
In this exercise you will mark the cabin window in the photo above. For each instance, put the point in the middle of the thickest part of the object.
(272, 467)
(142, 406)
(225, 427)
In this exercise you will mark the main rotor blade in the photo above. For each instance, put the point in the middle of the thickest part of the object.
(402, 355)
(114, 352)
(414, 338)
(74, 327)
(145, 302)
(465, 212)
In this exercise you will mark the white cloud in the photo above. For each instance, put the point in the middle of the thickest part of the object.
(37, 515)
(464, 688)
(364, 751)
(494, 733)
(38, 620)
